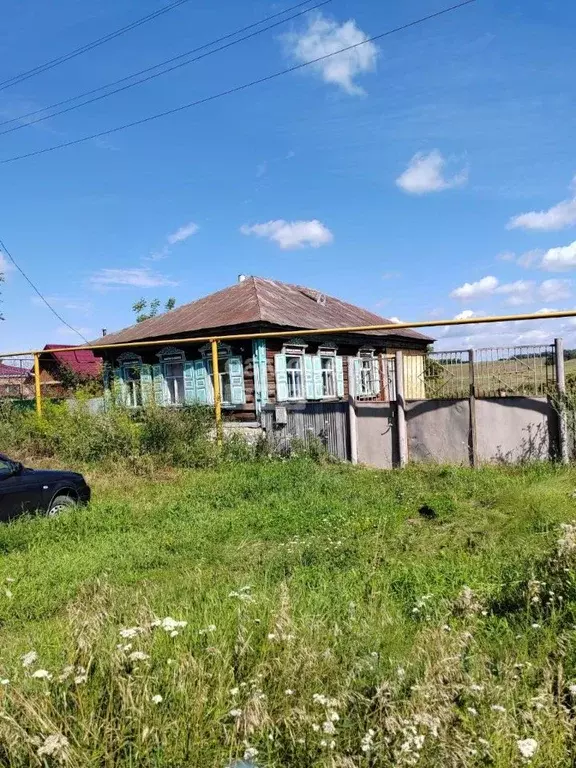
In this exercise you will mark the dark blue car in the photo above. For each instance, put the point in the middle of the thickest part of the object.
(45, 491)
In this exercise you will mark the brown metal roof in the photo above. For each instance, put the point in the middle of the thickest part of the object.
(257, 300)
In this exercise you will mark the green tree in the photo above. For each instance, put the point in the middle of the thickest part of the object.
(145, 310)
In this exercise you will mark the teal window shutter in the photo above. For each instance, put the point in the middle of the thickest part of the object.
(146, 384)
(189, 383)
(358, 376)
(339, 377)
(158, 384)
(281, 378)
(260, 373)
(203, 383)
(317, 372)
(375, 376)
(309, 388)
(236, 373)
(119, 394)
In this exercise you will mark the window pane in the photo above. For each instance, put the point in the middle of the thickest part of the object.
(174, 375)
(328, 377)
(294, 376)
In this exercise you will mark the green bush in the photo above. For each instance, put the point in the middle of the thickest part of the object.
(75, 434)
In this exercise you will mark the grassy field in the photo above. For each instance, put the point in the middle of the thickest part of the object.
(293, 615)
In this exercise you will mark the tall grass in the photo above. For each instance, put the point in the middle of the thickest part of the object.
(150, 436)
(294, 615)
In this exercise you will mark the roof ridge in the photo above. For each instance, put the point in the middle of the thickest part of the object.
(256, 294)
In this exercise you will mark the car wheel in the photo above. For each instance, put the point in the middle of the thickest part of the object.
(59, 504)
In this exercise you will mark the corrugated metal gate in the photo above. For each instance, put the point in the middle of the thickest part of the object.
(327, 422)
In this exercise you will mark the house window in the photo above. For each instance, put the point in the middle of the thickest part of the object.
(133, 382)
(368, 373)
(366, 376)
(173, 363)
(224, 377)
(295, 376)
(328, 367)
(174, 378)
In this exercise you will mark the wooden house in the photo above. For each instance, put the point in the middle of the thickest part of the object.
(258, 371)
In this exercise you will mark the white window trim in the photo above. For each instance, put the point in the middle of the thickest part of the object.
(296, 353)
(331, 356)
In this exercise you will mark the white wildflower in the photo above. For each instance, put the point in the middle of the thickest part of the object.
(535, 626)
(250, 753)
(527, 747)
(367, 740)
(235, 713)
(131, 632)
(572, 689)
(497, 708)
(169, 624)
(81, 679)
(55, 745)
(10, 580)
(401, 672)
(476, 688)
(319, 698)
(234, 691)
(315, 727)
(42, 674)
(210, 628)
(271, 636)
(8, 594)
(329, 727)
(174, 633)
(157, 699)
(29, 658)
(66, 672)
(334, 716)
(124, 647)
(138, 656)
(472, 711)
(5, 681)
(290, 692)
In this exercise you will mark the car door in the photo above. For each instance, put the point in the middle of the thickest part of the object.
(19, 492)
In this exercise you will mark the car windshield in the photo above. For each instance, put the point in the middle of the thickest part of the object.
(6, 466)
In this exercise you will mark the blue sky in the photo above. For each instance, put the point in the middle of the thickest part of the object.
(426, 175)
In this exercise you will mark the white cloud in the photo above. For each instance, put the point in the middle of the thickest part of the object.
(425, 173)
(554, 289)
(560, 259)
(66, 333)
(291, 234)
(324, 36)
(139, 277)
(517, 293)
(5, 265)
(467, 314)
(483, 287)
(559, 216)
(183, 233)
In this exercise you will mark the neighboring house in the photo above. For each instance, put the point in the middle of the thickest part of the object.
(61, 371)
(257, 372)
(13, 382)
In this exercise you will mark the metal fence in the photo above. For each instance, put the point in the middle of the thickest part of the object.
(489, 372)
(17, 378)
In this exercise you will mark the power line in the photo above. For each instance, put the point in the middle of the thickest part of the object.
(161, 64)
(237, 88)
(5, 250)
(88, 47)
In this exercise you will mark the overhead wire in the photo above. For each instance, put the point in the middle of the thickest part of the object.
(16, 79)
(165, 71)
(238, 88)
(5, 250)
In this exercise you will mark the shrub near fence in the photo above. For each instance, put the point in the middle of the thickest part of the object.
(157, 435)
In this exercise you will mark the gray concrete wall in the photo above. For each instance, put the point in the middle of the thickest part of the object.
(377, 445)
(438, 431)
(508, 429)
(515, 429)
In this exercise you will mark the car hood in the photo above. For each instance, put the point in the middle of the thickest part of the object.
(53, 474)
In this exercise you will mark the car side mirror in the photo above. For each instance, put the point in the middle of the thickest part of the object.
(17, 467)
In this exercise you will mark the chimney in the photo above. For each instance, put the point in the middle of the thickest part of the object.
(104, 331)
(241, 278)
